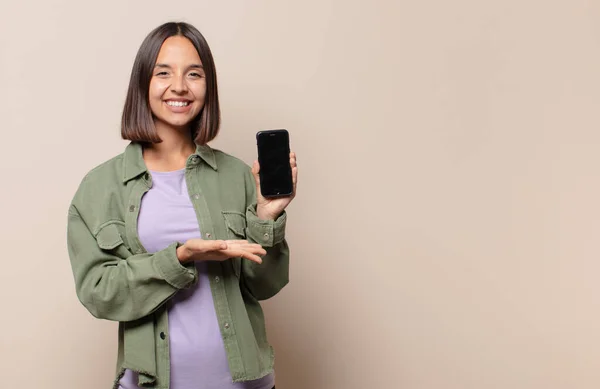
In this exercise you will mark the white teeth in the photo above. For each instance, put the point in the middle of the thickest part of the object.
(178, 103)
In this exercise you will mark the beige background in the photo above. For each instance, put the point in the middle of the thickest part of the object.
(446, 229)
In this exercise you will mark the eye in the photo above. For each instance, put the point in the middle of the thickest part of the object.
(196, 75)
(161, 73)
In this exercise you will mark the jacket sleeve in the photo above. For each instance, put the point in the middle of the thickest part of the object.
(265, 280)
(121, 287)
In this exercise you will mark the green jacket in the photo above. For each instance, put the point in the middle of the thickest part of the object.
(116, 279)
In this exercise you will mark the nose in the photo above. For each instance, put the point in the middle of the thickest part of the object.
(179, 85)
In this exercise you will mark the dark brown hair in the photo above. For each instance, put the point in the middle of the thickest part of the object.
(137, 123)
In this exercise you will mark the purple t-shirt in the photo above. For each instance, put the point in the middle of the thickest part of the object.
(197, 352)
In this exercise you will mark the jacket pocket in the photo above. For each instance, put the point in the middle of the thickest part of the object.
(236, 229)
(110, 238)
(236, 224)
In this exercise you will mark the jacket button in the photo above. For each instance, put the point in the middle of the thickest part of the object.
(163, 336)
(131, 208)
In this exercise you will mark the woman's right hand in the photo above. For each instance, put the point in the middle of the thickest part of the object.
(219, 250)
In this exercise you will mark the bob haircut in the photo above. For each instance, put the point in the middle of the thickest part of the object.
(137, 122)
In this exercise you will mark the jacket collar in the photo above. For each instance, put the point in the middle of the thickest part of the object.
(134, 166)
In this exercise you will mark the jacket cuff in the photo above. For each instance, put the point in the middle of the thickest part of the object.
(267, 233)
(168, 265)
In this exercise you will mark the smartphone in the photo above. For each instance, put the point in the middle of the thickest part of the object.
(274, 159)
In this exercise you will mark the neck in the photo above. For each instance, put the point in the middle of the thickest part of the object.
(172, 153)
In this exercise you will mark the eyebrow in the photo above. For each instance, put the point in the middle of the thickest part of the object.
(192, 66)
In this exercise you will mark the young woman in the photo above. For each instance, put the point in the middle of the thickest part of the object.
(173, 239)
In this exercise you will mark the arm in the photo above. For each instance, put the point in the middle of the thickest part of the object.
(122, 289)
(265, 280)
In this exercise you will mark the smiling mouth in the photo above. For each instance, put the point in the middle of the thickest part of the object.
(178, 103)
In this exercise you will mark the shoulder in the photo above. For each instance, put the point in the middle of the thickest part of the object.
(233, 171)
(111, 170)
(227, 163)
(103, 178)
(236, 179)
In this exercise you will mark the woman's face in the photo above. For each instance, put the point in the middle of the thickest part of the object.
(177, 87)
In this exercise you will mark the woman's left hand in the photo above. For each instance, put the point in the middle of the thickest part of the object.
(271, 208)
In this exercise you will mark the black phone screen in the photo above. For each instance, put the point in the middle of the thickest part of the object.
(274, 159)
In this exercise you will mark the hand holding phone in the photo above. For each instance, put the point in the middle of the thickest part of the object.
(274, 159)
(275, 173)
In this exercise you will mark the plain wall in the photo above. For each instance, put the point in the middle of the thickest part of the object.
(445, 233)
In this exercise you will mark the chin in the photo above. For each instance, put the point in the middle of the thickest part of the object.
(179, 124)
(178, 120)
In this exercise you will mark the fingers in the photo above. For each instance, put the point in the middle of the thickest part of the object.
(252, 257)
(294, 165)
(255, 171)
(221, 250)
(257, 249)
(243, 244)
(200, 245)
(294, 176)
(243, 249)
(219, 245)
(244, 254)
(250, 247)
